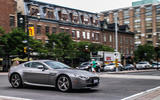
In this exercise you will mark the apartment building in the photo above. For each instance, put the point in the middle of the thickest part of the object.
(143, 20)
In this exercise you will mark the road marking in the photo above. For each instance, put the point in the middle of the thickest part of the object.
(12, 98)
(135, 96)
(130, 76)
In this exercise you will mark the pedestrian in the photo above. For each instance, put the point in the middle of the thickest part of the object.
(15, 63)
(93, 63)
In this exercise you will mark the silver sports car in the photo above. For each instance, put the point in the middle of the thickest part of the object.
(51, 73)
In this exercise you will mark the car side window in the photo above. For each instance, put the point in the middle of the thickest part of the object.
(36, 64)
(27, 65)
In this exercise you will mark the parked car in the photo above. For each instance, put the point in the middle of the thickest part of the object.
(143, 65)
(88, 66)
(85, 66)
(129, 67)
(112, 67)
(51, 73)
(156, 65)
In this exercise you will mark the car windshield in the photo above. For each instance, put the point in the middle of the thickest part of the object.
(57, 65)
(142, 63)
(111, 64)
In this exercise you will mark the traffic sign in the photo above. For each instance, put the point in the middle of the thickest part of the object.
(31, 31)
(116, 54)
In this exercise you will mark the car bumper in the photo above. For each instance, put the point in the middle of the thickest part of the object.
(78, 83)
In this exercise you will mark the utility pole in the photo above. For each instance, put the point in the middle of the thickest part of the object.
(116, 39)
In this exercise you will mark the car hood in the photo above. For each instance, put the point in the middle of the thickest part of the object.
(77, 72)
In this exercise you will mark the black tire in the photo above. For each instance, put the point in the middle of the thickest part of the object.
(63, 83)
(16, 81)
(98, 70)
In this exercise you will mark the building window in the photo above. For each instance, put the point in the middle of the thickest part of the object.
(149, 36)
(126, 40)
(88, 35)
(121, 39)
(148, 30)
(127, 51)
(78, 34)
(50, 14)
(84, 35)
(34, 11)
(54, 29)
(73, 34)
(105, 39)
(110, 38)
(126, 17)
(12, 21)
(47, 29)
(93, 37)
(97, 36)
(38, 30)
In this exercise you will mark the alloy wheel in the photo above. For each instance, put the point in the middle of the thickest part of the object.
(63, 83)
(16, 81)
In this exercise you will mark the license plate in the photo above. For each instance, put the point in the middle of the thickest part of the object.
(95, 81)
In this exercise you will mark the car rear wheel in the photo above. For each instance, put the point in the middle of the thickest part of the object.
(64, 83)
(16, 81)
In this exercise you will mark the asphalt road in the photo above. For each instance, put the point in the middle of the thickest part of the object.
(109, 89)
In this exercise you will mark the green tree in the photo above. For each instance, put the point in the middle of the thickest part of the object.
(144, 53)
(14, 45)
(61, 46)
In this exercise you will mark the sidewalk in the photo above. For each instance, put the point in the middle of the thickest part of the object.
(152, 94)
(3, 73)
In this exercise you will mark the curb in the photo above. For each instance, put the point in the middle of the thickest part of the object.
(132, 71)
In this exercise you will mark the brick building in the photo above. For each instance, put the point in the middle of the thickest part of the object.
(82, 25)
(143, 20)
(8, 14)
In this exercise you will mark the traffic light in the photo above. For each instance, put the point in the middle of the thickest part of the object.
(25, 49)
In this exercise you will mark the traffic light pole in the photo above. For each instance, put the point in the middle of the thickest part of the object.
(28, 51)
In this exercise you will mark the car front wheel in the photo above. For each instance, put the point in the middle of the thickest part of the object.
(16, 81)
(64, 83)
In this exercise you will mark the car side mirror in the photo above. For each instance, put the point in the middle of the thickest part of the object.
(40, 67)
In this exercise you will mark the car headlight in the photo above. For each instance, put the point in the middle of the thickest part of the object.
(82, 77)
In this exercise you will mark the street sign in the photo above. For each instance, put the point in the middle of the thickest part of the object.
(116, 54)
(31, 31)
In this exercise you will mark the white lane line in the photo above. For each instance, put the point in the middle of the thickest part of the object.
(132, 97)
(130, 76)
(12, 98)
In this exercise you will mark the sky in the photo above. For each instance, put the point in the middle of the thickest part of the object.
(95, 6)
